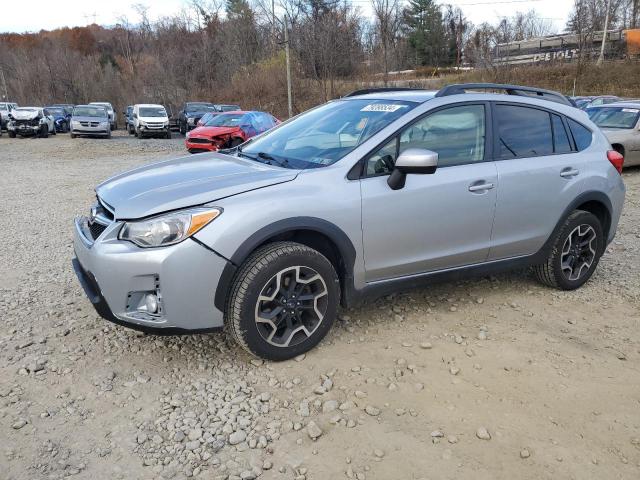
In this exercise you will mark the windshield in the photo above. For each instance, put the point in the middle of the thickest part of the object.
(56, 111)
(227, 120)
(200, 107)
(325, 134)
(89, 112)
(206, 119)
(229, 108)
(614, 117)
(153, 112)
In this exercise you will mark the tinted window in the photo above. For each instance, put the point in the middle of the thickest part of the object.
(614, 117)
(561, 142)
(581, 135)
(523, 132)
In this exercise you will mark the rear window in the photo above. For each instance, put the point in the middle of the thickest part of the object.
(523, 132)
(581, 134)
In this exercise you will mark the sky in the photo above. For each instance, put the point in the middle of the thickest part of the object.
(34, 15)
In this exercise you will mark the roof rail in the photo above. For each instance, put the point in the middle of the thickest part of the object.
(518, 90)
(365, 91)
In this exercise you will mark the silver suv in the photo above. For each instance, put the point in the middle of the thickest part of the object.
(375, 192)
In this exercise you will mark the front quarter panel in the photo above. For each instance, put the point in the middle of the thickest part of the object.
(323, 194)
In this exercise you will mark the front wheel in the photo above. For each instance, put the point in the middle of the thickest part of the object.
(575, 252)
(44, 131)
(283, 301)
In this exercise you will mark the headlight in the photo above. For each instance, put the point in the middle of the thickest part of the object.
(142, 124)
(75, 123)
(168, 229)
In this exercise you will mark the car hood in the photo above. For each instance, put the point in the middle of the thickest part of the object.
(154, 119)
(212, 131)
(24, 114)
(186, 182)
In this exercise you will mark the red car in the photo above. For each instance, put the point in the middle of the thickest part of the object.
(228, 130)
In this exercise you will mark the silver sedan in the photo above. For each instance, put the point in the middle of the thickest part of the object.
(620, 122)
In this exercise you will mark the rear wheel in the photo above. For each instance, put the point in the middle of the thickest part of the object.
(283, 300)
(44, 131)
(575, 252)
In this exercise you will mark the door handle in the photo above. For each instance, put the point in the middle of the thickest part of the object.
(569, 172)
(481, 187)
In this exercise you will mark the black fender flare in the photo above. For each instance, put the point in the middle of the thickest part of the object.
(336, 234)
(587, 196)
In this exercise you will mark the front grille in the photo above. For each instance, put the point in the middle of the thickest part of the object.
(155, 125)
(200, 140)
(31, 123)
(96, 229)
(89, 124)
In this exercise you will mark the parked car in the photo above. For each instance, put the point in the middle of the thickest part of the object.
(5, 109)
(595, 101)
(61, 118)
(128, 119)
(227, 108)
(30, 121)
(424, 185)
(90, 120)
(150, 120)
(191, 112)
(620, 122)
(206, 117)
(113, 118)
(228, 130)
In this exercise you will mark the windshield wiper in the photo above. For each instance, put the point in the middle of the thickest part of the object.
(269, 158)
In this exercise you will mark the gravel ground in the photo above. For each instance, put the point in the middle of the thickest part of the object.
(490, 378)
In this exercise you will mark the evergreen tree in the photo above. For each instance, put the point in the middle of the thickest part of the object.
(426, 32)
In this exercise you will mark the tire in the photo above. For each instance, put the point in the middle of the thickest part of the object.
(183, 129)
(65, 127)
(44, 131)
(275, 264)
(235, 142)
(108, 134)
(130, 129)
(583, 226)
(135, 132)
(12, 134)
(72, 135)
(168, 135)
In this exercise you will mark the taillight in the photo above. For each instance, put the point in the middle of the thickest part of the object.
(616, 159)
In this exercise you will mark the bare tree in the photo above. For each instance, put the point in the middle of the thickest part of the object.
(387, 17)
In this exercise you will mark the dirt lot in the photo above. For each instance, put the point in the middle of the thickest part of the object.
(494, 378)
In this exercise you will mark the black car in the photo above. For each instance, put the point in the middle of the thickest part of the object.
(128, 119)
(191, 112)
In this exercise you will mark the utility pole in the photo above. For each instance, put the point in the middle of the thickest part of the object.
(286, 53)
(604, 34)
(4, 84)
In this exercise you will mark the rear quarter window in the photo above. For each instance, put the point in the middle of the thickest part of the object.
(581, 134)
(523, 132)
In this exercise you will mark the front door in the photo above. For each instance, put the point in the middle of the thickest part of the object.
(437, 221)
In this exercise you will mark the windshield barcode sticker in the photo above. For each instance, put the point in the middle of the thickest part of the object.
(382, 107)
(630, 110)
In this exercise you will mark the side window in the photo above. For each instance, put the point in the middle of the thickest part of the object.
(523, 132)
(561, 142)
(382, 161)
(456, 134)
(581, 135)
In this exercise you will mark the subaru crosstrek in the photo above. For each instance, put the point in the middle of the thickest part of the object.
(371, 193)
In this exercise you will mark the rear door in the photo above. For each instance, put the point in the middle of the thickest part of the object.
(435, 221)
(538, 175)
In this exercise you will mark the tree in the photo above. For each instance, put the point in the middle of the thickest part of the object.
(425, 32)
(387, 19)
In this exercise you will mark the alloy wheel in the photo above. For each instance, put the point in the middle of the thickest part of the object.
(578, 252)
(291, 306)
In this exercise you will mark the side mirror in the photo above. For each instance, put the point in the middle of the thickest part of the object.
(412, 160)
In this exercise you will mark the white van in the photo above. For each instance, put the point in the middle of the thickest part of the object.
(150, 120)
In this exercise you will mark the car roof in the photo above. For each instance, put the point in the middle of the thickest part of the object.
(417, 96)
(153, 105)
(623, 104)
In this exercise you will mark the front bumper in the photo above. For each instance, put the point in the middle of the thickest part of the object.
(185, 276)
(151, 131)
(90, 131)
(24, 129)
(197, 145)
